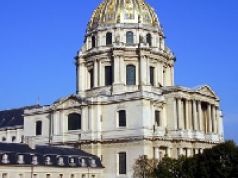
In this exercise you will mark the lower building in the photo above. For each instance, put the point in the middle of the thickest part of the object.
(21, 161)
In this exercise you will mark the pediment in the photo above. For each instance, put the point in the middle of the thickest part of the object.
(206, 90)
(67, 102)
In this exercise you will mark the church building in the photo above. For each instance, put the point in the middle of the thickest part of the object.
(126, 103)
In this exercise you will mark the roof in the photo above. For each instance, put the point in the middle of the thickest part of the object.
(13, 117)
(47, 156)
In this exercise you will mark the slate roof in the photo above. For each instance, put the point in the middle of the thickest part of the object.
(13, 150)
(14, 117)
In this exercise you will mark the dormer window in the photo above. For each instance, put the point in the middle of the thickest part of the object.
(47, 160)
(72, 162)
(34, 160)
(5, 159)
(83, 162)
(129, 38)
(93, 163)
(60, 161)
(20, 159)
(13, 139)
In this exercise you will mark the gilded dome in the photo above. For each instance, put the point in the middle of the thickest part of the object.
(123, 11)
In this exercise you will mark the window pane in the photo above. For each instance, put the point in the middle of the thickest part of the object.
(91, 78)
(122, 118)
(129, 37)
(109, 39)
(152, 76)
(157, 118)
(122, 163)
(74, 122)
(108, 75)
(93, 41)
(148, 39)
(38, 128)
(130, 75)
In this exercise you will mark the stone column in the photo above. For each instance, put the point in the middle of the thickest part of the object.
(175, 126)
(100, 71)
(200, 116)
(156, 153)
(95, 73)
(180, 114)
(122, 71)
(116, 65)
(195, 119)
(213, 119)
(142, 70)
(187, 114)
(147, 71)
(90, 117)
(209, 119)
(172, 75)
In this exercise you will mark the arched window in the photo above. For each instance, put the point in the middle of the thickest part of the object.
(130, 75)
(122, 118)
(4, 139)
(74, 121)
(149, 39)
(93, 42)
(38, 128)
(129, 37)
(108, 38)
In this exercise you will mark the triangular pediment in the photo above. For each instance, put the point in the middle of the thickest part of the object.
(206, 90)
(66, 102)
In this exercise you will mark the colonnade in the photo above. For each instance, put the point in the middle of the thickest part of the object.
(196, 115)
(163, 75)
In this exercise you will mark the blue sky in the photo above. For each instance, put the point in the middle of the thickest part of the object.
(38, 40)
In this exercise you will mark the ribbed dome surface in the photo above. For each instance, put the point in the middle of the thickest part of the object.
(123, 11)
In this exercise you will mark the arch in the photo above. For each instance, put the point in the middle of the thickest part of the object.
(130, 75)
(93, 41)
(74, 121)
(108, 38)
(129, 37)
(149, 39)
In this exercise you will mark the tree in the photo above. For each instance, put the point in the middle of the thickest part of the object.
(145, 168)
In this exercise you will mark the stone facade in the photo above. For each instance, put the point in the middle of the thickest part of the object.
(126, 101)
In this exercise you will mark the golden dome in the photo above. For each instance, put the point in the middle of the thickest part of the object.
(123, 11)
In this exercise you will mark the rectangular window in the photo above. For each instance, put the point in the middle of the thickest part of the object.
(38, 128)
(122, 118)
(122, 163)
(108, 75)
(157, 118)
(152, 82)
(91, 78)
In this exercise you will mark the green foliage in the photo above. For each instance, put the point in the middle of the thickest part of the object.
(219, 162)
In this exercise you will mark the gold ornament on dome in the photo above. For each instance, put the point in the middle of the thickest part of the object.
(120, 11)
